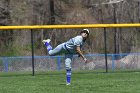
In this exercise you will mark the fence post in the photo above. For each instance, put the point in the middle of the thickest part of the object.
(58, 63)
(5, 61)
(105, 43)
(32, 44)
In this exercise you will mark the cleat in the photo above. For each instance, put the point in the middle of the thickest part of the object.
(48, 41)
(68, 84)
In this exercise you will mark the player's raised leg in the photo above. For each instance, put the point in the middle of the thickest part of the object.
(47, 44)
(57, 50)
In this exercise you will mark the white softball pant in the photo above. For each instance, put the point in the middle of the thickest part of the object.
(60, 50)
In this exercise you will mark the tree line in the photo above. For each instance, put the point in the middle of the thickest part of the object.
(51, 12)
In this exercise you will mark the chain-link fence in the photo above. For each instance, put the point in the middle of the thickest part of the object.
(126, 58)
(127, 62)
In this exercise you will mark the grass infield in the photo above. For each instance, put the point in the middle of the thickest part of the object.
(54, 82)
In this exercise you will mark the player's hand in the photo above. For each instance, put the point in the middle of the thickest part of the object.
(85, 60)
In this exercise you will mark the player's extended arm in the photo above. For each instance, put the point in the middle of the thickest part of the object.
(78, 49)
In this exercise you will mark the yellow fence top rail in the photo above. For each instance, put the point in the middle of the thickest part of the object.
(69, 26)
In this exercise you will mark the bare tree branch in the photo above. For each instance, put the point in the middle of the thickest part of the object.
(110, 2)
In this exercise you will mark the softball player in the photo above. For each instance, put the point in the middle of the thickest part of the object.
(69, 48)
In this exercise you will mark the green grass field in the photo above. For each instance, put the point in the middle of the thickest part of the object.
(128, 82)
